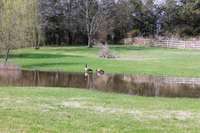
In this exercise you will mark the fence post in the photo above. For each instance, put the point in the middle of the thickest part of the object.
(184, 44)
(167, 43)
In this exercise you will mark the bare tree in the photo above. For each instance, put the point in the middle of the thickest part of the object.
(96, 16)
(35, 23)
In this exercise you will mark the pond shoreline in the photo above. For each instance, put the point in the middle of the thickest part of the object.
(140, 85)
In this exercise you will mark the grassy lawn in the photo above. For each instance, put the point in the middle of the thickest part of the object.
(134, 60)
(82, 111)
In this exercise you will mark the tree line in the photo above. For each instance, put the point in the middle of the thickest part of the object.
(81, 21)
(61, 22)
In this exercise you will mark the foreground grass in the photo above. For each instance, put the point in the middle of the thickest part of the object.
(81, 111)
(133, 60)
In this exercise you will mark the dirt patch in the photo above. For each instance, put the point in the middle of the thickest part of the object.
(73, 104)
(137, 114)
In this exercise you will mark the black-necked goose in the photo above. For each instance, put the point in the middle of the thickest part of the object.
(87, 69)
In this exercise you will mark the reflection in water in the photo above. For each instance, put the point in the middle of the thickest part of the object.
(9, 70)
(128, 84)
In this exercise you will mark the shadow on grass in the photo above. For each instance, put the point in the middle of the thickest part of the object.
(112, 47)
(38, 56)
(51, 65)
(76, 49)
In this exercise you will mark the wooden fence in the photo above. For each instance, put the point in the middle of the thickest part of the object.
(182, 80)
(177, 44)
(167, 43)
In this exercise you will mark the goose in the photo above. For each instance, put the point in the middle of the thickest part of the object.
(100, 72)
(88, 70)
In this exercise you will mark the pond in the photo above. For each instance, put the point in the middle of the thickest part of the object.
(119, 83)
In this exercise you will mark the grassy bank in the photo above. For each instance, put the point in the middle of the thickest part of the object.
(77, 111)
(134, 60)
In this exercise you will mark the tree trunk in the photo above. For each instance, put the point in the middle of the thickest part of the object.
(70, 38)
(37, 40)
(6, 56)
(90, 42)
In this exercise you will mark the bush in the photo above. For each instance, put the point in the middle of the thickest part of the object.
(105, 52)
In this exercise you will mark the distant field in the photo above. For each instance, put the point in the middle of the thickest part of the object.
(66, 110)
(133, 60)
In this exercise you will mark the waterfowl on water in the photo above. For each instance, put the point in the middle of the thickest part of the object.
(100, 72)
(87, 69)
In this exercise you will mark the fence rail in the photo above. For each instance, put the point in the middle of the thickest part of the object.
(182, 80)
(169, 43)
(177, 44)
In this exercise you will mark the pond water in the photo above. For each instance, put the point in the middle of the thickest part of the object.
(119, 83)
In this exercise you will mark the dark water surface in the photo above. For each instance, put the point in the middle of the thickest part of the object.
(119, 83)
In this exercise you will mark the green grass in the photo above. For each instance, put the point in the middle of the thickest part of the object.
(133, 60)
(56, 110)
